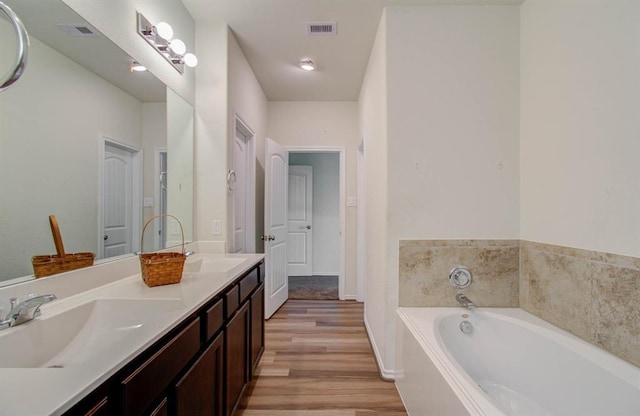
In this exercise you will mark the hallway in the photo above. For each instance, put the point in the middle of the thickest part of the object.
(318, 362)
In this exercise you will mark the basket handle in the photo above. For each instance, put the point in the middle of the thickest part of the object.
(57, 237)
(160, 216)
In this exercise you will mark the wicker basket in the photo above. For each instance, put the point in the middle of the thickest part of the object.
(162, 268)
(48, 264)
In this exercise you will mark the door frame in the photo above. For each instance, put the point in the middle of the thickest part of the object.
(157, 225)
(136, 191)
(341, 151)
(250, 196)
(361, 228)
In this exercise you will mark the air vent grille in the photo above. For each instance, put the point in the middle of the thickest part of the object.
(77, 30)
(322, 28)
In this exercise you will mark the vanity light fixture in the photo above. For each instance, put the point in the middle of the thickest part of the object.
(307, 65)
(160, 37)
(137, 67)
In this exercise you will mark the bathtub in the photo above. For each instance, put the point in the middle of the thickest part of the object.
(510, 363)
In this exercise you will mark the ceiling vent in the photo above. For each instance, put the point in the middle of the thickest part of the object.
(322, 28)
(77, 30)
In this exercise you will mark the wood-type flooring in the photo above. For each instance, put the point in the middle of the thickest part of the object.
(318, 362)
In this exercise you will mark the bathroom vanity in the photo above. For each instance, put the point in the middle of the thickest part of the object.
(127, 349)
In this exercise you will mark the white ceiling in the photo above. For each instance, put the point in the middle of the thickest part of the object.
(97, 54)
(272, 35)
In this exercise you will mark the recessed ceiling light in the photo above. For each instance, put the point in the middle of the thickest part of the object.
(135, 66)
(307, 65)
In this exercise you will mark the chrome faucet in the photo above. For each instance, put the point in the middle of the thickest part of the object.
(189, 253)
(24, 311)
(463, 300)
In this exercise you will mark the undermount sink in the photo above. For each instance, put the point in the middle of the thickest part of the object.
(75, 336)
(211, 263)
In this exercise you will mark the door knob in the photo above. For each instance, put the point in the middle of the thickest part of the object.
(308, 227)
(272, 237)
(106, 237)
(266, 237)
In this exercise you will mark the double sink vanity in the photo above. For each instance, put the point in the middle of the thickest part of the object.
(113, 346)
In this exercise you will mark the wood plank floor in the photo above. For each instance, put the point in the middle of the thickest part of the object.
(318, 362)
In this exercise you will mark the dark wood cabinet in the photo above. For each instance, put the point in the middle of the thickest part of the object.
(100, 409)
(199, 392)
(236, 347)
(148, 381)
(162, 409)
(257, 328)
(200, 368)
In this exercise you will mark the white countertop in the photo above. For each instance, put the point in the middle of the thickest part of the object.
(52, 391)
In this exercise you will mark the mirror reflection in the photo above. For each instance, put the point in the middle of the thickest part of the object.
(85, 139)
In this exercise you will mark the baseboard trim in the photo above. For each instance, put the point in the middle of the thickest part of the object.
(385, 374)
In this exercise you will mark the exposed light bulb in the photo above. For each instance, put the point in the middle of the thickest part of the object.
(190, 60)
(164, 30)
(178, 46)
(307, 65)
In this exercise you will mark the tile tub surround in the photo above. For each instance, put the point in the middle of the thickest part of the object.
(425, 266)
(593, 295)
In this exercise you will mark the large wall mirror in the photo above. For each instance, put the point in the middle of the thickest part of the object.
(88, 140)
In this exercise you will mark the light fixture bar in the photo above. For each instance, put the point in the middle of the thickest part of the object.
(150, 34)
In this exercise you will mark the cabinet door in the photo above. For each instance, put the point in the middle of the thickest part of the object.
(199, 392)
(237, 339)
(161, 410)
(147, 382)
(100, 409)
(257, 327)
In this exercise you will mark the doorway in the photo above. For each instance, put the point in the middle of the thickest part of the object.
(160, 195)
(242, 186)
(314, 231)
(121, 199)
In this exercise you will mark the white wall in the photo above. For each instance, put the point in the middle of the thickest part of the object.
(580, 94)
(248, 102)
(452, 146)
(317, 124)
(56, 155)
(326, 210)
(117, 21)
(453, 122)
(225, 86)
(211, 129)
(179, 168)
(154, 135)
(372, 110)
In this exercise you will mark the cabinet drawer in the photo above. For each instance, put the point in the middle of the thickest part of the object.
(214, 319)
(142, 387)
(247, 284)
(233, 300)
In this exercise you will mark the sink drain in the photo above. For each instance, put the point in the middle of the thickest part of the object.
(56, 366)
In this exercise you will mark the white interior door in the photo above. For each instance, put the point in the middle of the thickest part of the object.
(275, 224)
(300, 237)
(240, 193)
(117, 201)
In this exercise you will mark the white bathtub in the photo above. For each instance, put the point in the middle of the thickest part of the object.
(512, 363)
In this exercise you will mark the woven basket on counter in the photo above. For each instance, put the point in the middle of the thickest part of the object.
(48, 264)
(162, 268)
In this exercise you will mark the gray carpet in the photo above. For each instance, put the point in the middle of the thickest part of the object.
(313, 287)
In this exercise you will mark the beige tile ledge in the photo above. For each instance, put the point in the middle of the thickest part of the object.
(459, 243)
(592, 255)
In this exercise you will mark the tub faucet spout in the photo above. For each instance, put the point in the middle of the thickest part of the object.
(463, 300)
